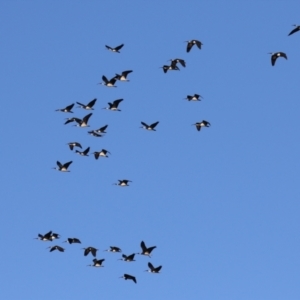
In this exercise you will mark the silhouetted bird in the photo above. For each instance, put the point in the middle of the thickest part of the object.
(89, 105)
(72, 241)
(123, 182)
(45, 238)
(101, 130)
(94, 133)
(149, 127)
(201, 124)
(275, 55)
(63, 167)
(67, 109)
(97, 262)
(83, 153)
(113, 249)
(108, 83)
(130, 277)
(56, 248)
(128, 258)
(123, 76)
(102, 153)
(152, 269)
(116, 49)
(146, 251)
(114, 105)
(297, 28)
(175, 61)
(90, 249)
(196, 97)
(74, 144)
(191, 43)
(169, 68)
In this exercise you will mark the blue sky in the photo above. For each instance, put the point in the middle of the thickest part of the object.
(221, 205)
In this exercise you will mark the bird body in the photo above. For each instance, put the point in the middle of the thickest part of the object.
(102, 153)
(128, 258)
(123, 182)
(108, 83)
(97, 262)
(170, 68)
(114, 249)
(129, 277)
(46, 237)
(196, 97)
(72, 241)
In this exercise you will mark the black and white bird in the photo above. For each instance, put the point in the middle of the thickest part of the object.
(80, 122)
(54, 236)
(123, 76)
(108, 83)
(97, 263)
(199, 125)
(128, 258)
(152, 269)
(116, 49)
(191, 43)
(297, 28)
(113, 249)
(45, 238)
(61, 249)
(101, 129)
(275, 55)
(114, 105)
(196, 97)
(175, 61)
(123, 182)
(149, 127)
(94, 133)
(74, 144)
(169, 68)
(89, 106)
(67, 109)
(63, 167)
(146, 251)
(72, 241)
(102, 153)
(90, 250)
(129, 277)
(83, 153)
(70, 120)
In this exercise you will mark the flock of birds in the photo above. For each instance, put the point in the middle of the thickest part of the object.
(146, 251)
(114, 106)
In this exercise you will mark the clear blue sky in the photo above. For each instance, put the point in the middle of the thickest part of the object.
(221, 205)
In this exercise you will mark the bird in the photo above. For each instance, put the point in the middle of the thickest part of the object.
(72, 241)
(113, 249)
(97, 262)
(146, 251)
(108, 83)
(196, 97)
(90, 250)
(123, 182)
(56, 248)
(297, 28)
(191, 43)
(67, 109)
(202, 124)
(54, 236)
(114, 105)
(45, 238)
(63, 167)
(101, 130)
(70, 120)
(149, 127)
(116, 49)
(84, 121)
(152, 269)
(130, 277)
(123, 76)
(89, 105)
(94, 133)
(175, 61)
(74, 144)
(128, 258)
(102, 153)
(275, 55)
(167, 68)
(83, 153)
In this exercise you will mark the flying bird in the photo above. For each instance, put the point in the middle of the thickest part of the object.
(170, 68)
(130, 277)
(196, 97)
(113, 249)
(102, 153)
(127, 258)
(97, 262)
(149, 127)
(123, 76)
(123, 182)
(67, 109)
(191, 43)
(56, 248)
(201, 124)
(45, 238)
(72, 241)
(175, 61)
(116, 49)
(90, 250)
(297, 28)
(101, 130)
(114, 105)
(152, 269)
(63, 167)
(275, 55)
(54, 236)
(83, 153)
(146, 251)
(94, 133)
(74, 144)
(108, 83)
(89, 105)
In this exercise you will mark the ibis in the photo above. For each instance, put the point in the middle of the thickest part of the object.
(123, 182)
(74, 144)
(72, 241)
(89, 106)
(114, 106)
(128, 258)
(84, 121)
(61, 249)
(54, 236)
(102, 153)
(123, 76)
(175, 61)
(116, 49)
(149, 127)
(83, 153)
(191, 43)
(171, 67)
(97, 262)
(90, 250)
(129, 277)
(45, 238)
(63, 167)
(108, 83)
(113, 249)
(152, 269)
(67, 109)
(275, 55)
(146, 251)
(199, 125)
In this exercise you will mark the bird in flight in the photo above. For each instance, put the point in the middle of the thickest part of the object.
(116, 49)
(191, 43)
(275, 55)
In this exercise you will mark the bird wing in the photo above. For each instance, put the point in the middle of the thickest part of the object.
(125, 73)
(71, 146)
(154, 125)
(75, 240)
(198, 43)
(86, 251)
(273, 59)
(86, 151)
(144, 124)
(86, 118)
(96, 154)
(92, 103)
(158, 268)
(119, 47)
(189, 47)
(104, 79)
(66, 165)
(103, 128)
(117, 102)
(59, 165)
(133, 278)
(182, 62)
(109, 48)
(198, 126)
(150, 266)
(282, 54)
(151, 248)
(94, 251)
(131, 256)
(113, 80)
(143, 246)
(78, 145)
(61, 249)
(294, 30)
(81, 104)
(69, 107)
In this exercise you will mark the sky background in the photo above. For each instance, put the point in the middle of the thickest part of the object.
(221, 205)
